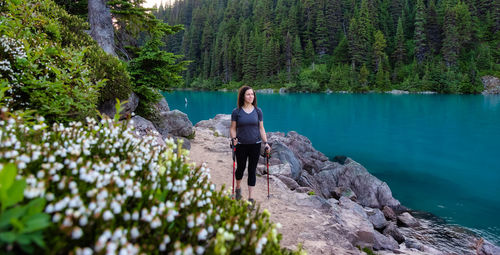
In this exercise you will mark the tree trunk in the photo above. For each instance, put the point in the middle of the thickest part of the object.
(101, 25)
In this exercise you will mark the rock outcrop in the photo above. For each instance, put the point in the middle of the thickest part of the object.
(220, 124)
(108, 107)
(491, 84)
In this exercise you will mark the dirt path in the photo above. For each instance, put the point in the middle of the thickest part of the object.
(300, 224)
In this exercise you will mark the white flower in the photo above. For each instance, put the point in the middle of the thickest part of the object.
(135, 216)
(134, 233)
(166, 239)
(76, 233)
(107, 215)
(162, 247)
(202, 235)
(83, 221)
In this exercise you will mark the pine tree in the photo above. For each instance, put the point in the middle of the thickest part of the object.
(321, 33)
(361, 36)
(334, 18)
(309, 53)
(400, 51)
(379, 49)
(297, 58)
(433, 29)
(420, 39)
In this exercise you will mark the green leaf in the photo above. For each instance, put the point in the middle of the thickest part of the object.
(8, 237)
(7, 175)
(12, 213)
(38, 238)
(15, 194)
(36, 222)
(35, 206)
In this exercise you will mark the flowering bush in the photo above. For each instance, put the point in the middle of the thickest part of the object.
(52, 66)
(108, 191)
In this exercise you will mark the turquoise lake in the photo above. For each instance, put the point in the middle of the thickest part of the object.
(438, 153)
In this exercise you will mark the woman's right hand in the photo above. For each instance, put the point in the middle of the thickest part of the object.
(235, 141)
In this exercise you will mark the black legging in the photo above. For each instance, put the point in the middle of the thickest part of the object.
(250, 151)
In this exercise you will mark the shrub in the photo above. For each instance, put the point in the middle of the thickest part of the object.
(43, 75)
(21, 226)
(109, 191)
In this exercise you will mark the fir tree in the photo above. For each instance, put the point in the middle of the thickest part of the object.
(420, 39)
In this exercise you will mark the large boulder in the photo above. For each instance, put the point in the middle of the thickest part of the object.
(144, 127)
(286, 156)
(369, 190)
(311, 159)
(491, 84)
(175, 123)
(161, 106)
(220, 124)
(108, 107)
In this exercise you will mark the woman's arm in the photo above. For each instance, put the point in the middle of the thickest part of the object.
(232, 133)
(263, 134)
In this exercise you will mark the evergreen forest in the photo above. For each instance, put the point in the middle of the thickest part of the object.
(444, 46)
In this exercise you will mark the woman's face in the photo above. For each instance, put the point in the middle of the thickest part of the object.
(249, 95)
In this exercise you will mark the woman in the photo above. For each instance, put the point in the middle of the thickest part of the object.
(247, 134)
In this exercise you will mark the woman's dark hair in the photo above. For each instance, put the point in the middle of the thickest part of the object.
(241, 96)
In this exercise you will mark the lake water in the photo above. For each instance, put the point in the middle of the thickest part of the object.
(438, 153)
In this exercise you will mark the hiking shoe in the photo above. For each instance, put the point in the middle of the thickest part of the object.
(238, 194)
(252, 204)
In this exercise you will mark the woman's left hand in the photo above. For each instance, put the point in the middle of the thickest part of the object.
(268, 148)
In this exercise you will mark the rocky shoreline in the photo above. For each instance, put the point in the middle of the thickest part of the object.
(356, 208)
(361, 205)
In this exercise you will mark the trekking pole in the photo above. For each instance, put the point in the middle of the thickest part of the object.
(234, 165)
(267, 163)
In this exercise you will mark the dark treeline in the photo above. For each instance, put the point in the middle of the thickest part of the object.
(355, 45)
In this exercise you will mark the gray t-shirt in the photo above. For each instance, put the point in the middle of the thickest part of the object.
(247, 125)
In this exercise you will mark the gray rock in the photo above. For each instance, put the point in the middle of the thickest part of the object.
(344, 192)
(220, 124)
(161, 106)
(303, 189)
(311, 201)
(144, 127)
(376, 217)
(354, 222)
(108, 107)
(285, 155)
(281, 169)
(488, 249)
(397, 92)
(491, 84)
(289, 182)
(175, 123)
(382, 242)
(406, 220)
(265, 91)
(369, 190)
(392, 230)
(414, 244)
(389, 213)
(283, 90)
(186, 144)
